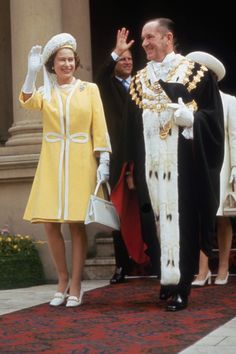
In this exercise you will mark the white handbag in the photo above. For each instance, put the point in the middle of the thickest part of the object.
(229, 206)
(101, 215)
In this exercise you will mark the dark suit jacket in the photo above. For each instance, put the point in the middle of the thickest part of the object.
(114, 97)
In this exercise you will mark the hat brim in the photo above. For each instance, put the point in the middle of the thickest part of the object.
(209, 61)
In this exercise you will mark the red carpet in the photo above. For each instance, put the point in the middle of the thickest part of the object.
(124, 318)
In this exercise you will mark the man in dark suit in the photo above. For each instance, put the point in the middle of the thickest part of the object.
(113, 81)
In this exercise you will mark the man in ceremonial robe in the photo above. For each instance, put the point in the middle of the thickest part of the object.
(175, 119)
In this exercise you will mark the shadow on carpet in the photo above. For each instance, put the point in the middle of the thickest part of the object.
(125, 318)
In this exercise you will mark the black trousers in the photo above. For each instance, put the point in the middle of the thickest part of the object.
(121, 253)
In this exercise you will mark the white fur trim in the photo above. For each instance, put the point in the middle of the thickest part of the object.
(188, 133)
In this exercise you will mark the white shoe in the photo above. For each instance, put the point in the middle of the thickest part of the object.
(74, 301)
(59, 298)
(203, 282)
(224, 281)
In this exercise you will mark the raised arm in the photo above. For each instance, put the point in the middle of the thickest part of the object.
(122, 43)
(34, 65)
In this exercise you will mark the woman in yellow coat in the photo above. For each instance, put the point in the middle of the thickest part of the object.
(74, 136)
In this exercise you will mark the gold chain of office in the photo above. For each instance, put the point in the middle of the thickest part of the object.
(158, 102)
(160, 99)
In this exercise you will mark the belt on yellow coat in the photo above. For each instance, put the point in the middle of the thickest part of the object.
(53, 137)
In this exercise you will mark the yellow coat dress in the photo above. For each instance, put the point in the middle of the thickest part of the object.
(74, 129)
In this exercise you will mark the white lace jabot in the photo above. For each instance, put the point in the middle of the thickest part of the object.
(161, 69)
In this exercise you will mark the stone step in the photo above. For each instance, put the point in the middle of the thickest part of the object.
(104, 246)
(102, 265)
(99, 268)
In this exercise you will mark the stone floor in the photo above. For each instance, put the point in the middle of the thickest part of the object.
(220, 341)
(17, 299)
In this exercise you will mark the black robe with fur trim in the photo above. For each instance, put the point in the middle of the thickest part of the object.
(199, 165)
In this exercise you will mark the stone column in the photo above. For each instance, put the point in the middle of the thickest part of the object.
(5, 71)
(76, 20)
(35, 22)
(32, 22)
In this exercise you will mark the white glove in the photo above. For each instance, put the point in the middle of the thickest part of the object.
(183, 115)
(233, 175)
(34, 65)
(103, 168)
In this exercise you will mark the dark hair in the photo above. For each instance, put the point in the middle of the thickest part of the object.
(167, 24)
(50, 62)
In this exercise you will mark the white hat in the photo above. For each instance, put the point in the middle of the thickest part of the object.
(209, 61)
(58, 41)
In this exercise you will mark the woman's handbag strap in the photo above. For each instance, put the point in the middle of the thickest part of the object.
(98, 186)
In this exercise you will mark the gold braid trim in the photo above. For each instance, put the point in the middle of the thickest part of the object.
(136, 89)
(196, 78)
(192, 105)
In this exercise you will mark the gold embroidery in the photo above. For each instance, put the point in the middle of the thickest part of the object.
(192, 105)
(165, 129)
(197, 78)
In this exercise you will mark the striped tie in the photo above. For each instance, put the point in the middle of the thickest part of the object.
(125, 84)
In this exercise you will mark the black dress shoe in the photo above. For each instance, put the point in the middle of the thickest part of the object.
(118, 277)
(165, 293)
(177, 303)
